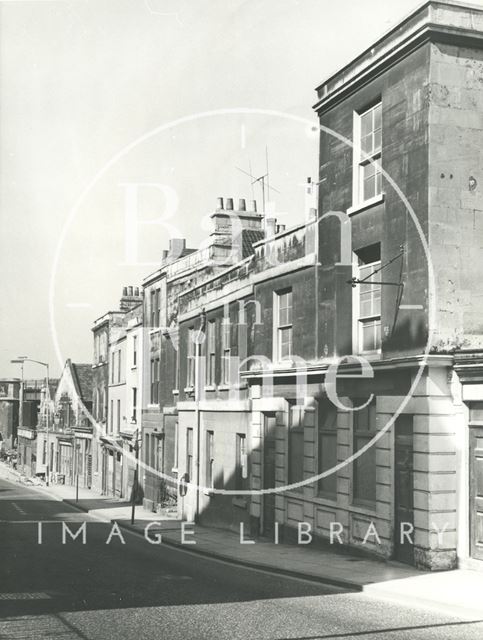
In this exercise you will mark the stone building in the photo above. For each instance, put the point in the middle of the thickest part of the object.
(114, 427)
(361, 402)
(65, 445)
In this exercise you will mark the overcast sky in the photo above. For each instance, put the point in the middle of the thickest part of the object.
(83, 80)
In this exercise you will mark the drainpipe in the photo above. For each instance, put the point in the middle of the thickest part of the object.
(198, 383)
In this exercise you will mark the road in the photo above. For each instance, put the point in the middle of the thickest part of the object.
(138, 590)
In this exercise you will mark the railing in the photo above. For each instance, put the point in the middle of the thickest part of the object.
(284, 248)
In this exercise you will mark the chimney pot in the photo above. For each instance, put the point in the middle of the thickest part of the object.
(124, 291)
(219, 204)
(254, 206)
(242, 205)
(229, 204)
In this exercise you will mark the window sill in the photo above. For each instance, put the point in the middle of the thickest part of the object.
(370, 356)
(210, 387)
(175, 392)
(208, 492)
(367, 204)
(363, 509)
(189, 390)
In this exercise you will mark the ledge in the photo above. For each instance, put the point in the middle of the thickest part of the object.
(367, 204)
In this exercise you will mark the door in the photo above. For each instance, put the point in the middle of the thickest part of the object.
(476, 492)
(404, 489)
(268, 523)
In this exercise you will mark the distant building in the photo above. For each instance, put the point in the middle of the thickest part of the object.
(64, 443)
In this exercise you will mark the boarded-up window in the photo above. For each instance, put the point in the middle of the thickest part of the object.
(364, 467)
(327, 447)
(296, 446)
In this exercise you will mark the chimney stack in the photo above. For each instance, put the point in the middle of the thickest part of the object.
(270, 227)
(131, 297)
(176, 247)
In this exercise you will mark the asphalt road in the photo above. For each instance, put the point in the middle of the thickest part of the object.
(137, 590)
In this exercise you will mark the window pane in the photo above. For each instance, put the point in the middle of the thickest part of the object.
(377, 140)
(378, 116)
(369, 187)
(366, 144)
(285, 342)
(366, 123)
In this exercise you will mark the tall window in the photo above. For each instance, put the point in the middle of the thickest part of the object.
(119, 365)
(102, 409)
(327, 447)
(118, 416)
(210, 459)
(154, 399)
(283, 317)
(296, 446)
(191, 350)
(369, 300)
(189, 453)
(157, 307)
(95, 403)
(112, 416)
(226, 354)
(364, 467)
(134, 351)
(241, 471)
(152, 308)
(113, 362)
(134, 404)
(368, 178)
(211, 353)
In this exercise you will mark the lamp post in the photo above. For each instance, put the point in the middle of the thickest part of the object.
(20, 360)
(136, 474)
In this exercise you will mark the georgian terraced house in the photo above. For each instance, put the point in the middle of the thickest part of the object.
(403, 298)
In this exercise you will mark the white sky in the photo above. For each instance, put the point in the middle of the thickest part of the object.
(82, 79)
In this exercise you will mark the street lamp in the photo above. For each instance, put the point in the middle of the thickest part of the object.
(20, 360)
(134, 495)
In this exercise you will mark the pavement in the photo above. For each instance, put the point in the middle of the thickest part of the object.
(458, 591)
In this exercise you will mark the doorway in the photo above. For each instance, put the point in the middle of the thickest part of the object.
(403, 489)
(476, 492)
(268, 523)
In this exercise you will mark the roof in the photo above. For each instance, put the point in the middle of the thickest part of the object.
(454, 22)
(83, 379)
(249, 237)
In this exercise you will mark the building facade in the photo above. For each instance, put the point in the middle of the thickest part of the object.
(64, 437)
